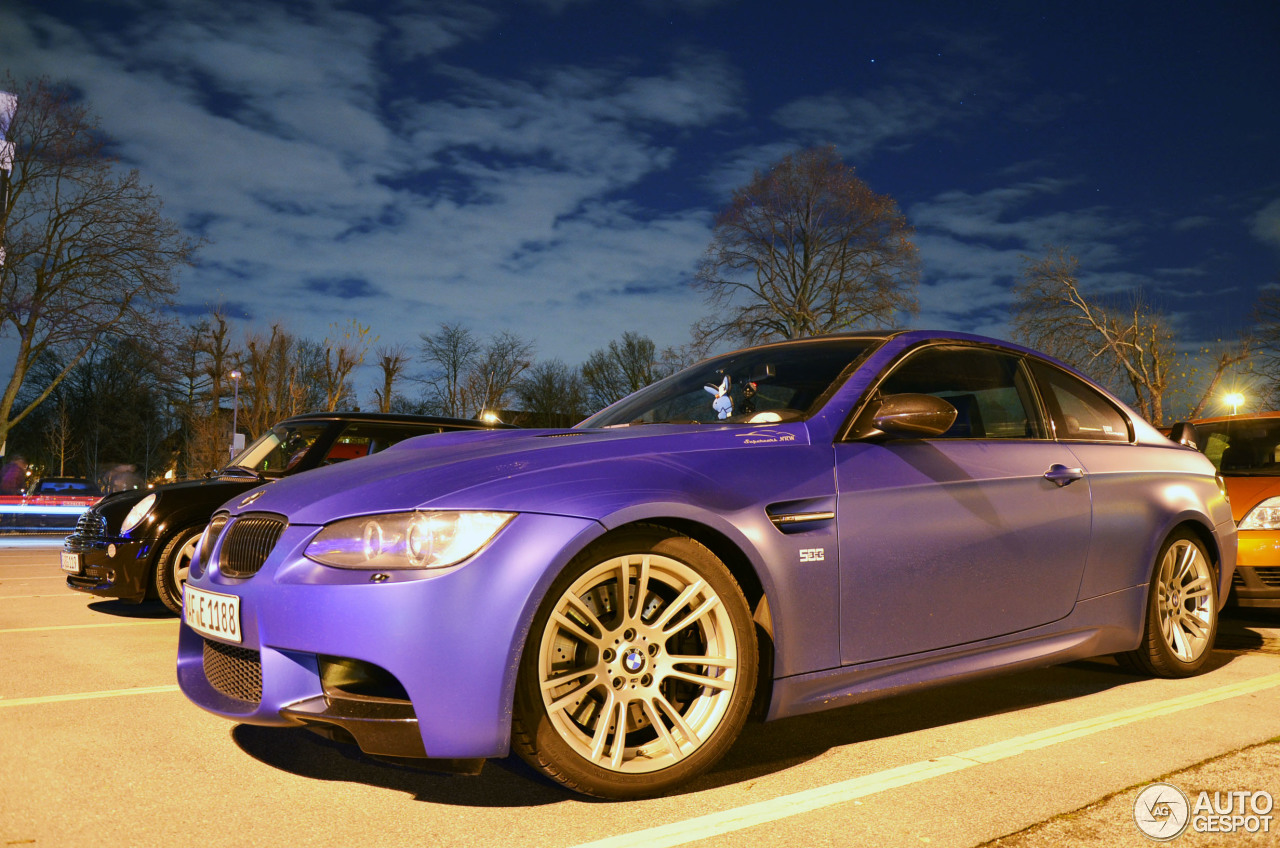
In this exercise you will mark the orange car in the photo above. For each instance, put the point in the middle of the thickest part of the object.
(1246, 450)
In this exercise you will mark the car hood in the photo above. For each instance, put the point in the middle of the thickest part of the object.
(185, 487)
(567, 472)
(1248, 492)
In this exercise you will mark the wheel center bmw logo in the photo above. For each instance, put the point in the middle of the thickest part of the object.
(633, 660)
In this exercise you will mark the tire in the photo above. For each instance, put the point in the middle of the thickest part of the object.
(172, 567)
(641, 663)
(1182, 611)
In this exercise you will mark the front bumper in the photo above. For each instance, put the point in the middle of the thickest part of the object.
(1256, 582)
(450, 639)
(111, 567)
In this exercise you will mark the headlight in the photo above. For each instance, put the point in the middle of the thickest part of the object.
(1264, 516)
(210, 535)
(429, 539)
(140, 511)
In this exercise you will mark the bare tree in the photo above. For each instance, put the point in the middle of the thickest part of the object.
(807, 248)
(60, 437)
(1125, 344)
(219, 357)
(344, 352)
(627, 364)
(1238, 353)
(88, 254)
(391, 361)
(451, 352)
(276, 380)
(471, 376)
(504, 358)
(551, 395)
(1266, 338)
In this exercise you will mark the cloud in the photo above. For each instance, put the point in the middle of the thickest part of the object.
(275, 133)
(408, 163)
(1265, 225)
(1192, 222)
(974, 246)
(417, 34)
(345, 288)
(1001, 215)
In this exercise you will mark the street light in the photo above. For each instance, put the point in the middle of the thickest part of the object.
(1235, 399)
(235, 410)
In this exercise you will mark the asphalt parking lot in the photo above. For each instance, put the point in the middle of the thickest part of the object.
(98, 747)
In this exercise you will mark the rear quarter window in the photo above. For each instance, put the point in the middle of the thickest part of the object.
(1080, 413)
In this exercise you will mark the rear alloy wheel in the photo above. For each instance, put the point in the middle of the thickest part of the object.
(640, 667)
(172, 567)
(1182, 611)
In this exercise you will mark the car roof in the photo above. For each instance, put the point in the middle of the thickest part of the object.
(1244, 416)
(394, 418)
(909, 335)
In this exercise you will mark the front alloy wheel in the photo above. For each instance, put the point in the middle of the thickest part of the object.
(1182, 610)
(173, 565)
(640, 669)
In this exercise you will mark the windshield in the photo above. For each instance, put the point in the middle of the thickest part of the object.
(756, 386)
(279, 449)
(1242, 447)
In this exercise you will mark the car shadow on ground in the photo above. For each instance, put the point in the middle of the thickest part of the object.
(502, 783)
(124, 609)
(1242, 629)
(762, 748)
(766, 748)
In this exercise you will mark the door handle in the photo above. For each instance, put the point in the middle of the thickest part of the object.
(1061, 475)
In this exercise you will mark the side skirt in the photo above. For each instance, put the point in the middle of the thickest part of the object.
(1104, 625)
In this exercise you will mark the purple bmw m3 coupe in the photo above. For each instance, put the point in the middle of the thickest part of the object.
(788, 528)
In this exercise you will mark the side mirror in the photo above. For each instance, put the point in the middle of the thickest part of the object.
(913, 416)
(1184, 433)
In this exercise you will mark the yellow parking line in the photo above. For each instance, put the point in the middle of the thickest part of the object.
(83, 626)
(1063, 733)
(58, 595)
(85, 696)
(763, 812)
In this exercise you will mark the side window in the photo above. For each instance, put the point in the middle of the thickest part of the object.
(347, 447)
(989, 389)
(362, 439)
(1214, 447)
(1080, 413)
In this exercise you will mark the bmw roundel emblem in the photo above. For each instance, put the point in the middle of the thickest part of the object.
(633, 660)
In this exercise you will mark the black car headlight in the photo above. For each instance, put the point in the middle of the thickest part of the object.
(135, 516)
(420, 539)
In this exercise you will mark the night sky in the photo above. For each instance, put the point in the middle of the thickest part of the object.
(552, 167)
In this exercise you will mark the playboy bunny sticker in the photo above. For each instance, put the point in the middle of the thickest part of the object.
(722, 403)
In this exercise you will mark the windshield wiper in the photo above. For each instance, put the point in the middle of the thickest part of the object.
(238, 471)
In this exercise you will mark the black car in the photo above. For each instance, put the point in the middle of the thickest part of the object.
(137, 544)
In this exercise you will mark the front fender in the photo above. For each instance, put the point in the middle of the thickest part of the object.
(798, 572)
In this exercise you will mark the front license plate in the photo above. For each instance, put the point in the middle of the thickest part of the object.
(212, 614)
(70, 562)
